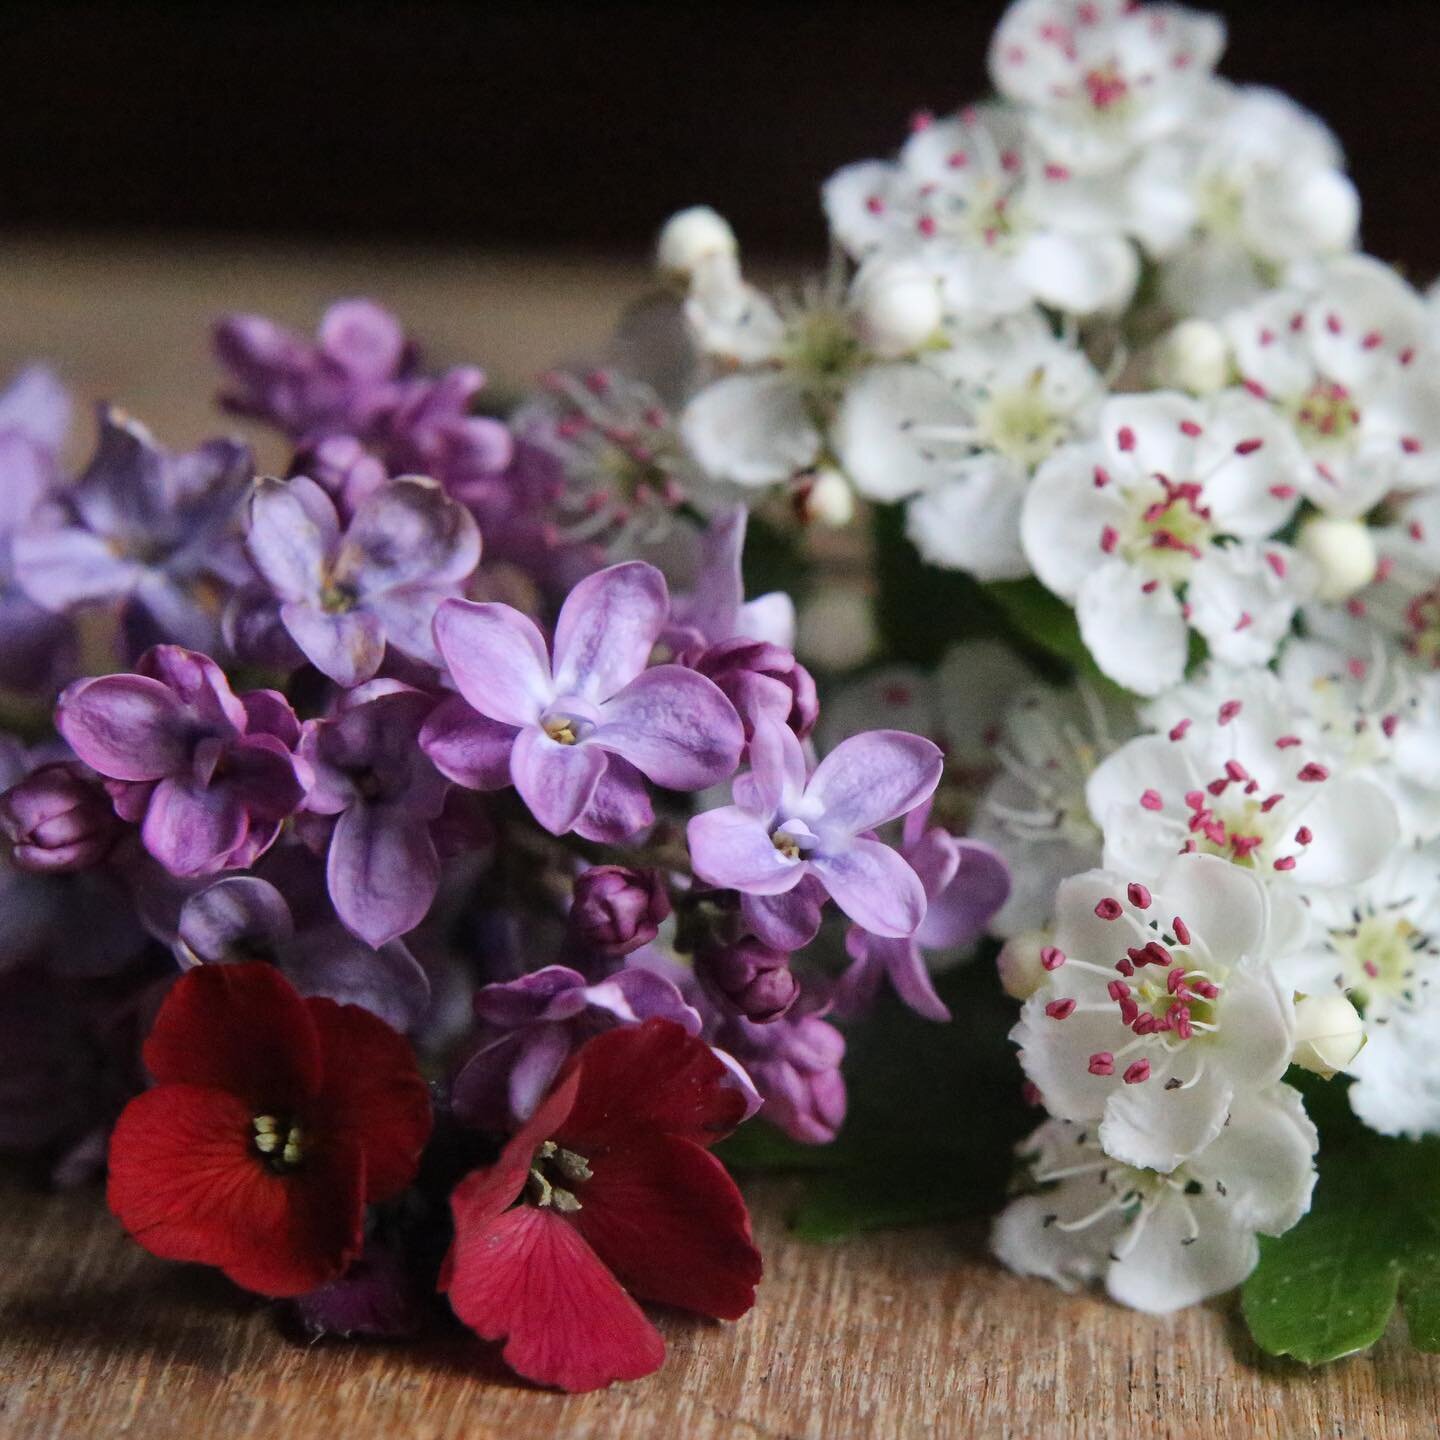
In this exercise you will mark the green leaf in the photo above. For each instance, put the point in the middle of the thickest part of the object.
(1328, 1287)
(933, 1116)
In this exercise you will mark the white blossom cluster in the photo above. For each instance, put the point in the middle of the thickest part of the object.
(1110, 330)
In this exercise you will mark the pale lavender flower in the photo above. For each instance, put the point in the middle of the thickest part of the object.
(574, 735)
(529, 1027)
(794, 1063)
(786, 828)
(153, 528)
(383, 868)
(965, 883)
(34, 416)
(347, 591)
(209, 776)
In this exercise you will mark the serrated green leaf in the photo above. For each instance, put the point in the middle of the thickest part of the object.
(1329, 1286)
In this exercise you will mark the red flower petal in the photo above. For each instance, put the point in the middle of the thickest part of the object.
(529, 1279)
(372, 1095)
(650, 1077)
(665, 1216)
(187, 1184)
(242, 1028)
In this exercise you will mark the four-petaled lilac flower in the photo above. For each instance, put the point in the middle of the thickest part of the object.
(210, 776)
(530, 1026)
(572, 734)
(383, 868)
(965, 883)
(345, 591)
(784, 829)
(794, 1064)
(34, 416)
(144, 525)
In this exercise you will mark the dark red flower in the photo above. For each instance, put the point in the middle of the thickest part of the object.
(617, 1193)
(273, 1121)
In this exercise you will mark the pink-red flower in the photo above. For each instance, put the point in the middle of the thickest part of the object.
(608, 1193)
(273, 1122)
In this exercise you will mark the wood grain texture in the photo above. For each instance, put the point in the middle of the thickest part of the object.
(898, 1336)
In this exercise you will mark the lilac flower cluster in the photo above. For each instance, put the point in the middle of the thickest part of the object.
(307, 730)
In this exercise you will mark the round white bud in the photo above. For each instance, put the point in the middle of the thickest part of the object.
(691, 237)
(1328, 1034)
(1193, 356)
(1343, 552)
(827, 499)
(836, 630)
(1021, 963)
(897, 307)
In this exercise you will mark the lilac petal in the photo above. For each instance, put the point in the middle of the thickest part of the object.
(714, 604)
(191, 830)
(408, 533)
(777, 769)
(363, 338)
(607, 628)
(164, 611)
(731, 848)
(646, 995)
(26, 471)
(543, 1051)
(240, 918)
(37, 406)
(555, 781)
(128, 727)
(347, 646)
(388, 982)
(674, 726)
(293, 532)
(35, 645)
(497, 659)
(620, 807)
(200, 683)
(382, 872)
(467, 747)
(959, 914)
(260, 770)
(910, 976)
(871, 778)
(268, 712)
(873, 886)
(787, 921)
(407, 616)
(58, 567)
(934, 855)
(530, 998)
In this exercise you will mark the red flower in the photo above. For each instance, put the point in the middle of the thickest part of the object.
(274, 1120)
(618, 1193)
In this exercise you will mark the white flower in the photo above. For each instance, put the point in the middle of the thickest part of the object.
(1234, 772)
(1329, 1033)
(1162, 1241)
(982, 416)
(1341, 360)
(897, 306)
(1101, 78)
(1174, 493)
(1160, 1011)
(1193, 356)
(971, 201)
(1343, 553)
(1034, 813)
(690, 238)
(1251, 185)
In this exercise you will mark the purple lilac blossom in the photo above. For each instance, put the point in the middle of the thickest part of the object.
(347, 591)
(529, 1027)
(383, 868)
(575, 734)
(209, 776)
(965, 883)
(143, 525)
(794, 1062)
(785, 829)
(34, 415)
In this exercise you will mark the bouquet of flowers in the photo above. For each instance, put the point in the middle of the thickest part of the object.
(418, 863)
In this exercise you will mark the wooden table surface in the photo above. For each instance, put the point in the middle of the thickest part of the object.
(904, 1335)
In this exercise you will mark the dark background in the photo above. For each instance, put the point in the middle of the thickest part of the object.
(563, 124)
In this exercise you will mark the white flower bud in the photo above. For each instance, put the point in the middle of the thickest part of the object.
(1343, 552)
(897, 307)
(1021, 963)
(1193, 356)
(1328, 1034)
(691, 237)
(837, 630)
(827, 499)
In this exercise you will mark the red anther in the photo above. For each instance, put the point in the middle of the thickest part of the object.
(1195, 799)
(1151, 800)
(1128, 1011)
(1109, 538)
(1236, 771)
(1248, 447)
(1145, 1024)
(1109, 908)
(1137, 1073)
(1312, 773)
(1102, 1062)
(1177, 731)
(1181, 929)
(1125, 967)
(1285, 862)
(1060, 1009)
(1125, 438)
(1287, 742)
(1190, 428)
(1270, 802)
(1304, 835)
(1137, 895)
(1228, 711)
(1218, 786)
(1052, 957)
(1117, 990)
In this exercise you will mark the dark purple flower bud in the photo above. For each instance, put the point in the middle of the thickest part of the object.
(616, 910)
(59, 819)
(751, 978)
(761, 678)
(377, 1295)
